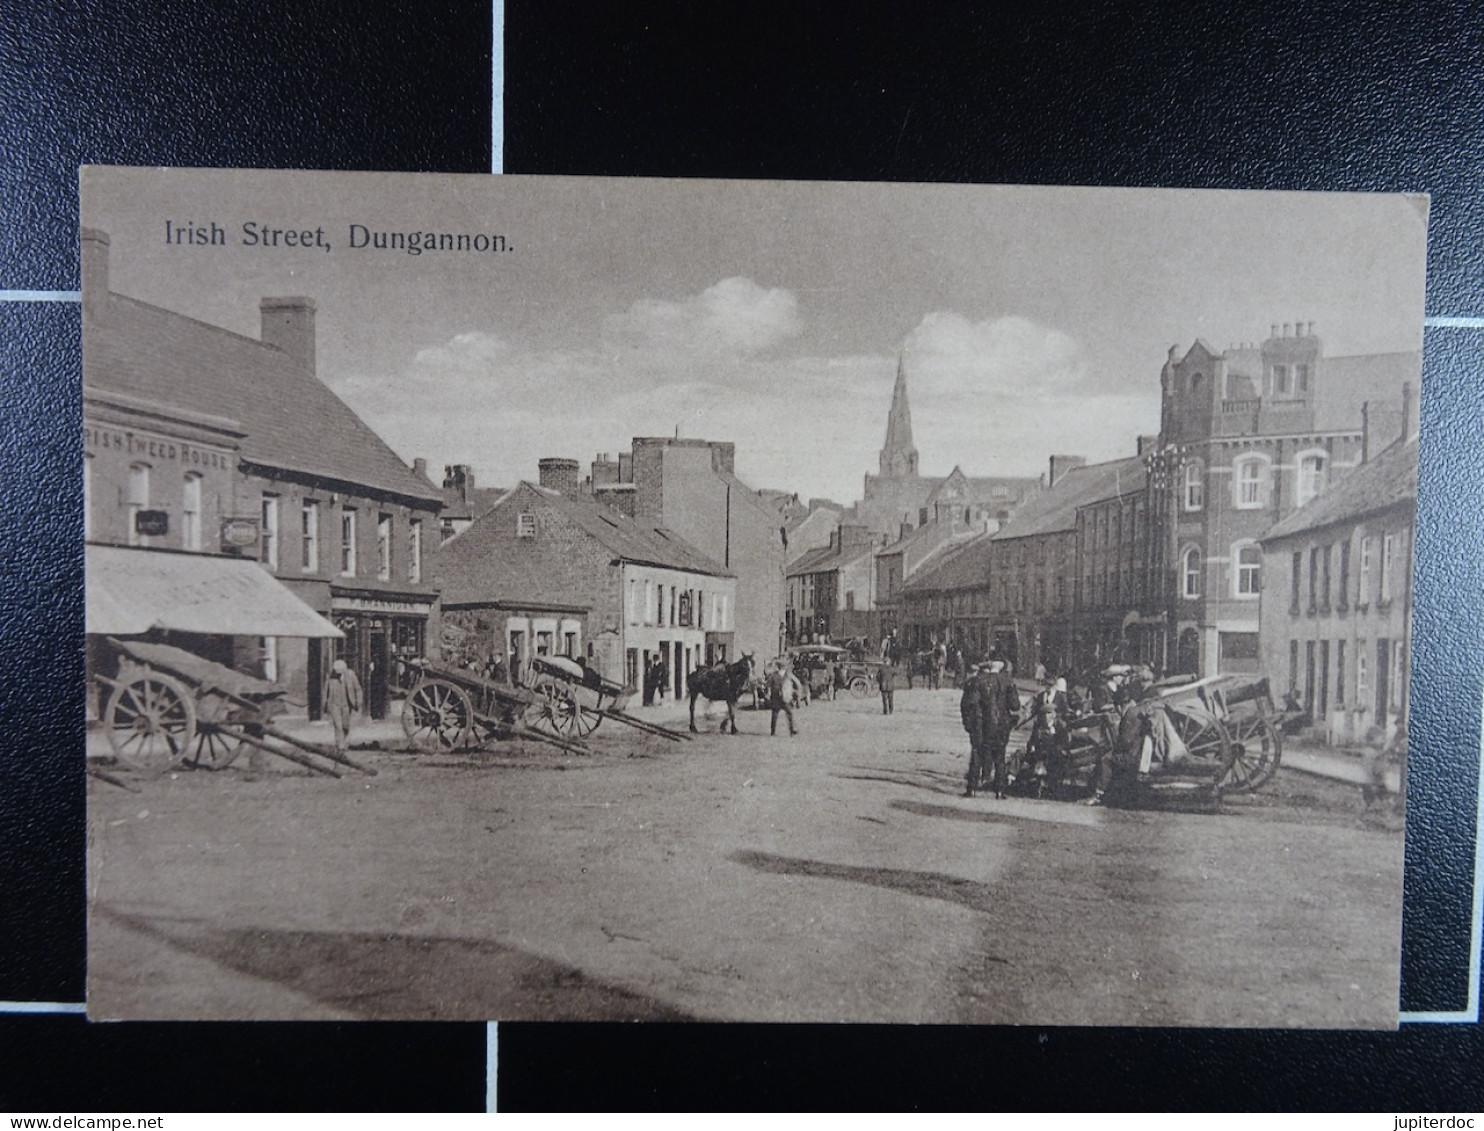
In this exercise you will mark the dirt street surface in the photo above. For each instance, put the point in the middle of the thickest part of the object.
(836, 876)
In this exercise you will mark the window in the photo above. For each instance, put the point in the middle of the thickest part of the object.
(1301, 378)
(525, 524)
(1325, 554)
(1313, 578)
(138, 500)
(415, 550)
(1293, 665)
(1249, 570)
(1342, 602)
(1362, 676)
(685, 609)
(348, 543)
(1340, 673)
(1398, 667)
(1281, 386)
(384, 547)
(659, 606)
(1296, 582)
(1388, 561)
(569, 644)
(633, 604)
(190, 512)
(268, 647)
(1191, 572)
(309, 536)
(1364, 598)
(270, 531)
(1195, 487)
(1251, 483)
(1312, 472)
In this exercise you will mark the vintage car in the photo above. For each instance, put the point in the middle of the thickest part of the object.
(825, 669)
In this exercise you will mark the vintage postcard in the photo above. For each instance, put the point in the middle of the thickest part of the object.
(582, 599)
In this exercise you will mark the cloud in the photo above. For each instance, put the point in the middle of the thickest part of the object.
(1012, 356)
(735, 318)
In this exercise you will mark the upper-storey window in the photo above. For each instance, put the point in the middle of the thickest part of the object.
(1195, 487)
(1282, 381)
(137, 501)
(1190, 571)
(1247, 560)
(384, 547)
(415, 550)
(1250, 482)
(348, 542)
(309, 536)
(190, 512)
(1313, 471)
(270, 531)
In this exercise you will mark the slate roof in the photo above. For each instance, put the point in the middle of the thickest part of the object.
(292, 419)
(828, 558)
(964, 567)
(1388, 480)
(1055, 509)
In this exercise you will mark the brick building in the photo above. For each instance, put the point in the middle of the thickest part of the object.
(550, 570)
(831, 591)
(1247, 436)
(1335, 612)
(318, 498)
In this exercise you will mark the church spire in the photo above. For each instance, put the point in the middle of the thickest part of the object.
(898, 456)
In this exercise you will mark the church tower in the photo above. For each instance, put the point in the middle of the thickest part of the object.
(898, 455)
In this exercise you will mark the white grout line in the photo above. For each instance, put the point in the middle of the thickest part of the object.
(42, 1007)
(491, 1066)
(497, 88)
(40, 296)
(1443, 323)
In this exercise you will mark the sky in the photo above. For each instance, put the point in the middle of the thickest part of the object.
(771, 314)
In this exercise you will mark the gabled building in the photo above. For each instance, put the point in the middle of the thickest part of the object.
(1248, 436)
(1335, 612)
(831, 591)
(552, 571)
(317, 497)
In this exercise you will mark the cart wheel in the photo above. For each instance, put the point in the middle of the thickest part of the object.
(584, 720)
(1205, 737)
(437, 716)
(1258, 749)
(859, 687)
(151, 721)
(555, 711)
(215, 747)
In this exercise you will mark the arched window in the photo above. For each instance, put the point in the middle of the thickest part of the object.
(1249, 482)
(1313, 472)
(1247, 569)
(1194, 498)
(1190, 573)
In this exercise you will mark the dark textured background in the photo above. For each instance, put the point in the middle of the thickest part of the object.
(1361, 95)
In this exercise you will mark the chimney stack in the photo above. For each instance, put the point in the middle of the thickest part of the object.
(420, 467)
(94, 249)
(1060, 465)
(558, 474)
(288, 325)
(459, 477)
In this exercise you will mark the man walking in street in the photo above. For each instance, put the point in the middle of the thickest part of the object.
(886, 679)
(342, 701)
(780, 697)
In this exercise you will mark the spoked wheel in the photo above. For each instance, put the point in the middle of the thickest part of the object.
(1208, 741)
(859, 687)
(556, 710)
(151, 722)
(1258, 749)
(215, 747)
(437, 716)
(584, 720)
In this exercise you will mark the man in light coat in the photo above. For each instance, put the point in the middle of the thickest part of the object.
(342, 701)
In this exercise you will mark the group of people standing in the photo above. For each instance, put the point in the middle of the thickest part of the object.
(989, 708)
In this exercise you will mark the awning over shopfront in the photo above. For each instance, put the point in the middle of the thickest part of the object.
(130, 591)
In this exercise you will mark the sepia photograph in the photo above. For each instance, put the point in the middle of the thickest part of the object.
(586, 599)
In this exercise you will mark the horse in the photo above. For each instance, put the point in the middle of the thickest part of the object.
(721, 683)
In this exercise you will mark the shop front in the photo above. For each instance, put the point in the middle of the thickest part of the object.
(381, 636)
